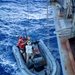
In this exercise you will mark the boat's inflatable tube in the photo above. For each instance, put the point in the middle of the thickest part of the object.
(53, 64)
(21, 64)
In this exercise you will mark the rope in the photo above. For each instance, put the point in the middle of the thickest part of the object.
(40, 15)
(47, 22)
(28, 15)
(47, 11)
(68, 8)
(27, 11)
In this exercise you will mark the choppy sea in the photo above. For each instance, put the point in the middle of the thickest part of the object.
(15, 15)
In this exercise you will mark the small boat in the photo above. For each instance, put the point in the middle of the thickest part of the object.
(43, 62)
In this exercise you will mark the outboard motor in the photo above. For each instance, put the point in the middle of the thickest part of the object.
(38, 63)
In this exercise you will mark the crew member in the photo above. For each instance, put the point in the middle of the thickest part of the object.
(29, 52)
(22, 43)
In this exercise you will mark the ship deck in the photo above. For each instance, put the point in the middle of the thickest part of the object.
(63, 31)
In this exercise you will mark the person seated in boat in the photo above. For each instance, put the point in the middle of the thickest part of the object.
(29, 52)
(35, 50)
(22, 42)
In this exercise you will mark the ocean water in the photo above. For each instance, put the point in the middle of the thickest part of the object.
(15, 15)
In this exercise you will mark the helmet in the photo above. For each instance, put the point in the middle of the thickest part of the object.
(23, 35)
(29, 38)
